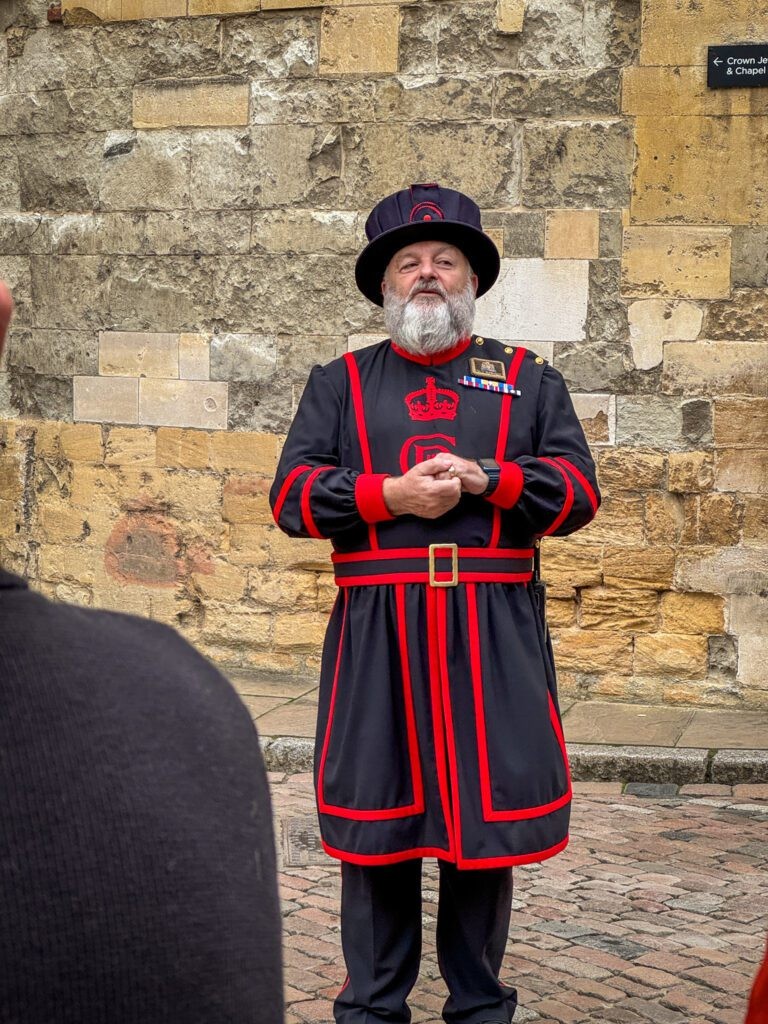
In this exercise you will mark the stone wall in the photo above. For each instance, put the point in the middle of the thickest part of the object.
(183, 185)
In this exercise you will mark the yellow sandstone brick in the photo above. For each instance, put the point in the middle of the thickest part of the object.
(198, 103)
(715, 368)
(510, 15)
(572, 235)
(621, 521)
(248, 544)
(592, 650)
(290, 553)
(719, 520)
(184, 449)
(275, 589)
(75, 12)
(566, 566)
(561, 612)
(683, 91)
(679, 33)
(300, 629)
(691, 471)
(61, 523)
(664, 518)
(359, 40)
(235, 450)
(639, 568)
(631, 469)
(236, 624)
(739, 470)
(692, 613)
(755, 525)
(209, 7)
(67, 562)
(130, 446)
(225, 583)
(132, 10)
(245, 500)
(627, 611)
(740, 422)
(671, 654)
(688, 262)
(82, 442)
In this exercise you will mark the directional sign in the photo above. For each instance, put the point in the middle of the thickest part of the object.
(737, 67)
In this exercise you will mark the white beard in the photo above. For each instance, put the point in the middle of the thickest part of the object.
(426, 327)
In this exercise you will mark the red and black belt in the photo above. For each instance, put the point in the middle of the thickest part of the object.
(439, 565)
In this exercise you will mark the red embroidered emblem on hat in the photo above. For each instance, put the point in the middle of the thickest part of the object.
(426, 211)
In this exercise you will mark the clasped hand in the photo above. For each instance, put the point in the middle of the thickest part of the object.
(432, 488)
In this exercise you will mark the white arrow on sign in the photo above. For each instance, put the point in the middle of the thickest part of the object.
(716, 61)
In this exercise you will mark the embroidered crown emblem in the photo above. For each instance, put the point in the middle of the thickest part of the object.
(432, 403)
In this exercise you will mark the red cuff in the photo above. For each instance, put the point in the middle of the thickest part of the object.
(510, 486)
(369, 497)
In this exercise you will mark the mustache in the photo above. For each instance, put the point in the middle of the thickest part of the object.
(427, 286)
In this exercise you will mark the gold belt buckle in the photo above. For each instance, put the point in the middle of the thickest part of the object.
(441, 550)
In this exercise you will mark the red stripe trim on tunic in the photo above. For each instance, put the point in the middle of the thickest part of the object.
(442, 635)
(306, 511)
(374, 859)
(386, 813)
(489, 812)
(501, 440)
(288, 483)
(567, 500)
(591, 496)
(437, 717)
(410, 713)
(362, 430)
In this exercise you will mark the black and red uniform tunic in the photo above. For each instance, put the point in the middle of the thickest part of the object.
(438, 729)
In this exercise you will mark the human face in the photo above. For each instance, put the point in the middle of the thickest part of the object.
(413, 268)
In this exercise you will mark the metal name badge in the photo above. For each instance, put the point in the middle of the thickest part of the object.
(488, 369)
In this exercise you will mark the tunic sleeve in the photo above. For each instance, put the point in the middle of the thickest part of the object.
(555, 488)
(313, 495)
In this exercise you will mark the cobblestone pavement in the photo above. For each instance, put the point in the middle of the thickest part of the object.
(657, 911)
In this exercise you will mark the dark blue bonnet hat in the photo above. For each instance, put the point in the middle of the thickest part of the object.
(418, 214)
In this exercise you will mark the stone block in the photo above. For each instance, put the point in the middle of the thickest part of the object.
(106, 399)
(755, 523)
(130, 446)
(558, 94)
(357, 341)
(639, 568)
(138, 354)
(648, 91)
(378, 158)
(654, 421)
(561, 612)
(690, 471)
(244, 357)
(631, 469)
(741, 317)
(271, 48)
(267, 166)
(460, 40)
(59, 172)
(682, 163)
(300, 629)
(692, 263)
(691, 613)
(734, 767)
(715, 368)
(738, 470)
(64, 111)
(536, 300)
(359, 40)
(509, 16)
(194, 357)
(183, 403)
(59, 353)
(719, 520)
(151, 169)
(753, 661)
(182, 449)
(740, 422)
(237, 625)
(737, 570)
(246, 500)
(628, 611)
(135, 9)
(611, 233)
(274, 589)
(254, 452)
(597, 414)
(84, 12)
(418, 98)
(572, 235)
(566, 566)
(654, 321)
(671, 654)
(200, 103)
(747, 613)
(523, 232)
(80, 442)
(621, 521)
(248, 544)
(592, 650)
(677, 34)
(206, 8)
(697, 422)
(307, 231)
(582, 164)
(749, 267)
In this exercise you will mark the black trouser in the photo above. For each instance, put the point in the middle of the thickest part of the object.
(381, 938)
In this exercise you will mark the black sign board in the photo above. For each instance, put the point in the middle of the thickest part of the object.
(737, 67)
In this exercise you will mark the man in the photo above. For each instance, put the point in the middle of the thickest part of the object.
(137, 866)
(438, 730)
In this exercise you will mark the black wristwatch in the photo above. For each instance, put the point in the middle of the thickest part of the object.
(493, 471)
